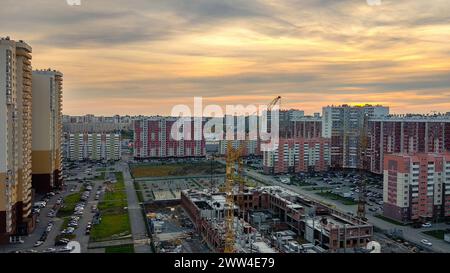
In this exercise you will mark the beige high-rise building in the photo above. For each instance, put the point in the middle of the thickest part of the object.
(15, 139)
(47, 130)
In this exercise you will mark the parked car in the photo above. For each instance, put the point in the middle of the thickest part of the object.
(426, 242)
(50, 250)
(65, 249)
(73, 223)
(62, 242)
(426, 225)
(38, 243)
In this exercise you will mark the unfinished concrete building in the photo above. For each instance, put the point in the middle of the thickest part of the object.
(264, 212)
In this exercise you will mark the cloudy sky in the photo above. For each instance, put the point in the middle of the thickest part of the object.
(145, 56)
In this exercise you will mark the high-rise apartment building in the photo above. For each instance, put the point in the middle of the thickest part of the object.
(96, 124)
(304, 127)
(345, 126)
(250, 147)
(47, 130)
(298, 155)
(94, 147)
(153, 138)
(406, 134)
(416, 187)
(15, 138)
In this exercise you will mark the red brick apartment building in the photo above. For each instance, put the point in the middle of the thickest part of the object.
(416, 187)
(153, 139)
(304, 127)
(295, 155)
(405, 134)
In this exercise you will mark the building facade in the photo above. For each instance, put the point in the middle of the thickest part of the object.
(94, 147)
(345, 125)
(310, 220)
(153, 139)
(298, 155)
(96, 124)
(250, 147)
(304, 127)
(416, 187)
(406, 134)
(47, 130)
(15, 139)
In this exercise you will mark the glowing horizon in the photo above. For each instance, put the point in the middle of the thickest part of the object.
(143, 57)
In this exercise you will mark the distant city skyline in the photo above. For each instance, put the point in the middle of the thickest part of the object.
(143, 57)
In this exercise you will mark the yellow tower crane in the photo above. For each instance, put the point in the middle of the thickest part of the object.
(233, 158)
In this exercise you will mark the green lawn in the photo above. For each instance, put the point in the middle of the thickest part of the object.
(118, 192)
(69, 204)
(101, 176)
(111, 226)
(438, 234)
(333, 196)
(176, 169)
(115, 220)
(392, 221)
(120, 249)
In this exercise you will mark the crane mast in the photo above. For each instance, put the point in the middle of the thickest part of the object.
(361, 212)
(233, 159)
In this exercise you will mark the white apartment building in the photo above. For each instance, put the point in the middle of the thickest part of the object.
(344, 125)
(95, 147)
(250, 147)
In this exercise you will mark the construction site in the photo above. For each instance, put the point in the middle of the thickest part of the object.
(232, 217)
(273, 219)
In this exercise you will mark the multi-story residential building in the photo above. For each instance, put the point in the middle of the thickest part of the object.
(406, 134)
(94, 147)
(345, 126)
(96, 124)
(250, 147)
(291, 115)
(47, 130)
(153, 139)
(304, 127)
(15, 139)
(298, 155)
(416, 187)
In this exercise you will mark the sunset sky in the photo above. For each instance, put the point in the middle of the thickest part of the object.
(145, 56)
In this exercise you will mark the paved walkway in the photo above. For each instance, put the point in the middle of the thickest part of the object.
(110, 243)
(138, 225)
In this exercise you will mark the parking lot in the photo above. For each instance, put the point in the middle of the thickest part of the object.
(66, 215)
(341, 186)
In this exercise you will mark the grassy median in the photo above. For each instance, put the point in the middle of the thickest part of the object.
(69, 204)
(336, 197)
(115, 220)
(438, 234)
(120, 249)
(176, 169)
